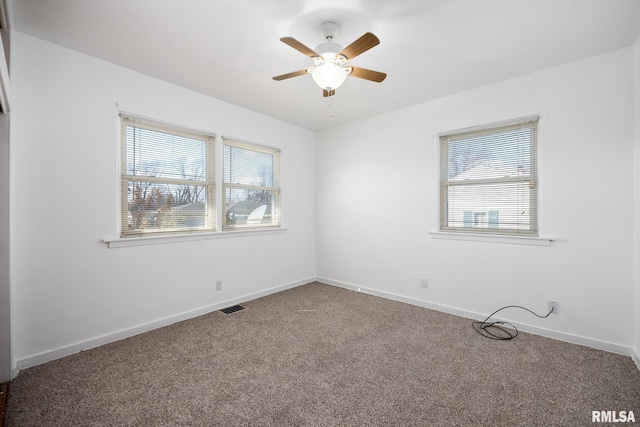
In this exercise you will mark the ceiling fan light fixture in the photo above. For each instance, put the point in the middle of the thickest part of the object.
(330, 60)
(329, 75)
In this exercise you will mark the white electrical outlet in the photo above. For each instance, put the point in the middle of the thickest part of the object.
(424, 283)
(218, 285)
(554, 307)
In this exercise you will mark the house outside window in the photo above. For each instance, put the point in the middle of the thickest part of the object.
(489, 179)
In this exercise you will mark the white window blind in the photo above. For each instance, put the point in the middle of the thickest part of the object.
(167, 179)
(489, 179)
(251, 186)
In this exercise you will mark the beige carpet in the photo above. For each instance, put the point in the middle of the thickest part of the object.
(318, 355)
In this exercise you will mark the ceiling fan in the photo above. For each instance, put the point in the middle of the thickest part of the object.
(330, 60)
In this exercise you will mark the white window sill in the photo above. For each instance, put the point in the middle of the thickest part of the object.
(124, 242)
(514, 240)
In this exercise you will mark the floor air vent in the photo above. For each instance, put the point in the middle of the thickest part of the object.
(232, 309)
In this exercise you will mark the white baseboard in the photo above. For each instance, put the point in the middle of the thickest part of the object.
(549, 333)
(50, 355)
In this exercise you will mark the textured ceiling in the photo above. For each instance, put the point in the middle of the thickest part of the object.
(230, 49)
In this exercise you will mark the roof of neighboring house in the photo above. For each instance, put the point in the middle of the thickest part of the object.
(488, 169)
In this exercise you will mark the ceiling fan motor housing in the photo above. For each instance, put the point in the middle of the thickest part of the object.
(328, 48)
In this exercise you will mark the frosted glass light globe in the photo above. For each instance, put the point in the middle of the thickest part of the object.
(329, 76)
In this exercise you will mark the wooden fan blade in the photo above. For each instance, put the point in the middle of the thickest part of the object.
(359, 46)
(326, 93)
(289, 75)
(299, 46)
(363, 73)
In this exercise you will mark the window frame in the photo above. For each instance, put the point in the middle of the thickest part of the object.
(276, 215)
(209, 182)
(532, 180)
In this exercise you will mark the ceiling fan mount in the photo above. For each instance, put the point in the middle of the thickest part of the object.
(330, 59)
(329, 30)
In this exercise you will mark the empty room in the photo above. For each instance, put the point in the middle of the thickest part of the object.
(320, 213)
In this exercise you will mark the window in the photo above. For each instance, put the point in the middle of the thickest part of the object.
(168, 183)
(167, 179)
(489, 179)
(251, 186)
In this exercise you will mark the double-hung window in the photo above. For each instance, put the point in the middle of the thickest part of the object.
(489, 179)
(167, 179)
(250, 186)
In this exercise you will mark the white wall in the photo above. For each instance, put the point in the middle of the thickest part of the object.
(69, 290)
(378, 199)
(636, 117)
(5, 289)
(5, 249)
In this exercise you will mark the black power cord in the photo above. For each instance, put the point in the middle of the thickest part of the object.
(498, 330)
